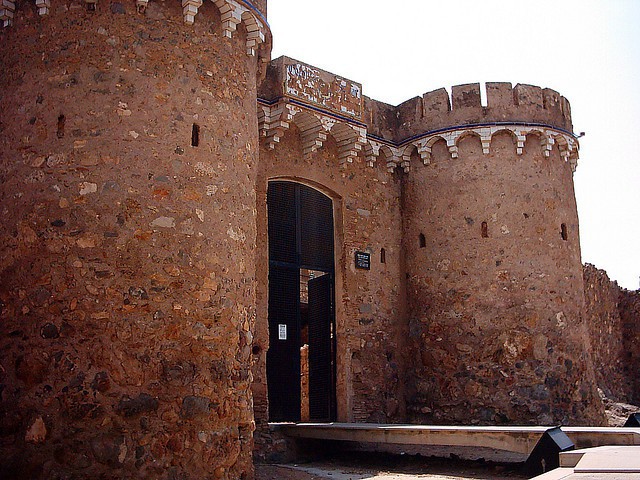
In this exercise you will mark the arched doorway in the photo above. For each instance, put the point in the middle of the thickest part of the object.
(301, 304)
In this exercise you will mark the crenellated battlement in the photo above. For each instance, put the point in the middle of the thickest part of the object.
(232, 13)
(320, 103)
(522, 104)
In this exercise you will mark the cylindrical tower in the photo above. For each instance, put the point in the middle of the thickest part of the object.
(493, 262)
(127, 197)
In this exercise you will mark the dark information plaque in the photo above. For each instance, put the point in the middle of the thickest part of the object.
(363, 260)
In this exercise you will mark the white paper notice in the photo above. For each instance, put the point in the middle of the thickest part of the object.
(282, 332)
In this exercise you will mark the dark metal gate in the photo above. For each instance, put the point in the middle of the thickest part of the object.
(284, 339)
(300, 222)
(321, 379)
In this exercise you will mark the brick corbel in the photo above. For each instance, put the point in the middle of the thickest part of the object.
(7, 9)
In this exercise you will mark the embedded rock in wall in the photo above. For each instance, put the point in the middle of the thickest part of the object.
(127, 192)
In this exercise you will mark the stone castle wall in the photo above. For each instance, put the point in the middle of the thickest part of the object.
(127, 190)
(492, 256)
(603, 312)
(437, 110)
(369, 304)
(495, 288)
(490, 283)
(134, 267)
(613, 317)
(629, 307)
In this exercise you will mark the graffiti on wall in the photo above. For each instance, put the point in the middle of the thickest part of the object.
(324, 89)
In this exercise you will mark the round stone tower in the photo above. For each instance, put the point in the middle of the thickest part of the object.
(493, 261)
(127, 197)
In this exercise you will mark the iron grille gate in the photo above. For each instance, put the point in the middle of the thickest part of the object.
(300, 222)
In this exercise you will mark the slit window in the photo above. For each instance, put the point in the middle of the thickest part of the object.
(61, 122)
(484, 230)
(563, 231)
(423, 240)
(383, 256)
(195, 135)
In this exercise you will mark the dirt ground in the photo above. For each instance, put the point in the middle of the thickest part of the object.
(388, 467)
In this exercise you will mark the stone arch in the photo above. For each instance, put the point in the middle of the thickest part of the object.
(406, 153)
(470, 134)
(507, 130)
(567, 147)
(262, 333)
(341, 132)
(372, 151)
(386, 150)
(535, 132)
(232, 14)
(560, 140)
(392, 160)
(255, 33)
(465, 134)
(534, 135)
(511, 133)
(309, 182)
(425, 147)
(311, 131)
(348, 140)
(435, 139)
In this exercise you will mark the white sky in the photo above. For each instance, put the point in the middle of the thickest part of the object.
(588, 50)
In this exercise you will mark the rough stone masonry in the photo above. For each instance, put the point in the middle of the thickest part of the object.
(138, 142)
(128, 174)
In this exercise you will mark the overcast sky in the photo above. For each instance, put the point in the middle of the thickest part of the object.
(588, 50)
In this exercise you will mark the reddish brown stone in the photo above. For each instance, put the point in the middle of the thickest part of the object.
(90, 280)
(134, 254)
(32, 370)
(143, 403)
